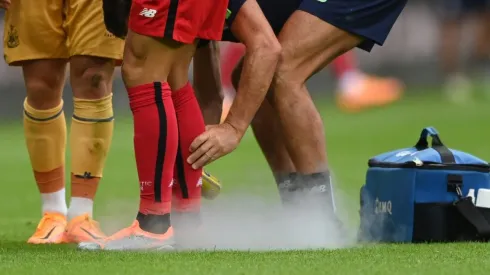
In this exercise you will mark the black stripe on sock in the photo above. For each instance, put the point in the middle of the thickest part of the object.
(171, 17)
(42, 119)
(109, 119)
(162, 141)
(179, 164)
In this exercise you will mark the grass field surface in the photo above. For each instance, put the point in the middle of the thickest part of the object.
(352, 140)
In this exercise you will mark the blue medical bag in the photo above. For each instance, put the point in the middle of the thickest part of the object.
(425, 194)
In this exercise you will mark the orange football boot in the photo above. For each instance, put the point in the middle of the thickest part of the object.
(370, 91)
(83, 229)
(133, 238)
(50, 230)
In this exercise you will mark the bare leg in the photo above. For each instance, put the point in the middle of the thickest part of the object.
(267, 130)
(308, 45)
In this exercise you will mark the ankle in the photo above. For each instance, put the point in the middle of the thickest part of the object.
(54, 202)
(80, 206)
(156, 224)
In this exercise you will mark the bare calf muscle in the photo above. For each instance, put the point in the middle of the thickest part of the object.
(268, 133)
(300, 59)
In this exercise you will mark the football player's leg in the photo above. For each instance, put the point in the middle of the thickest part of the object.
(312, 38)
(91, 131)
(45, 134)
(43, 64)
(267, 130)
(187, 185)
(92, 58)
(147, 63)
(304, 134)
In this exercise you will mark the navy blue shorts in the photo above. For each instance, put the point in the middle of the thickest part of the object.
(370, 19)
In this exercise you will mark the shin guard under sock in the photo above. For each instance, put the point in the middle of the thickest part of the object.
(155, 145)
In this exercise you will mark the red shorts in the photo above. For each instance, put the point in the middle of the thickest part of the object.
(180, 20)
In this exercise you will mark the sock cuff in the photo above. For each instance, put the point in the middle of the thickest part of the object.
(42, 115)
(186, 89)
(148, 94)
(93, 110)
(183, 95)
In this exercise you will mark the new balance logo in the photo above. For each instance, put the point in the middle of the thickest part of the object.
(148, 13)
(319, 189)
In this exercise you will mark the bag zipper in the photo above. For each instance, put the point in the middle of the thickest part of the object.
(431, 166)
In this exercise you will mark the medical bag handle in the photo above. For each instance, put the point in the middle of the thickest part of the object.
(447, 156)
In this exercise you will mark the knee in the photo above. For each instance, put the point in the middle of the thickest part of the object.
(44, 92)
(135, 58)
(91, 77)
(131, 69)
(287, 74)
(288, 80)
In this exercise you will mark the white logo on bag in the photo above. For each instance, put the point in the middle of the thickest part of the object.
(403, 153)
(382, 207)
(148, 13)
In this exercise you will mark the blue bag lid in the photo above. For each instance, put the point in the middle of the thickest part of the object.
(422, 153)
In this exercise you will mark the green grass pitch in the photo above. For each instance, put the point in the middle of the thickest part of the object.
(352, 139)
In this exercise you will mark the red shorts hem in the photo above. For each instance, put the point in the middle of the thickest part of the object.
(182, 21)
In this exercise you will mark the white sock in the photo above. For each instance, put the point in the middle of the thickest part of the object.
(349, 79)
(54, 202)
(80, 206)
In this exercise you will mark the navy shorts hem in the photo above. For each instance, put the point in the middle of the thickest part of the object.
(372, 20)
(366, 44)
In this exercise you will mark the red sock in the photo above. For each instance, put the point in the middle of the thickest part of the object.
(187, 187)
(155, 145)
(344, 63)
